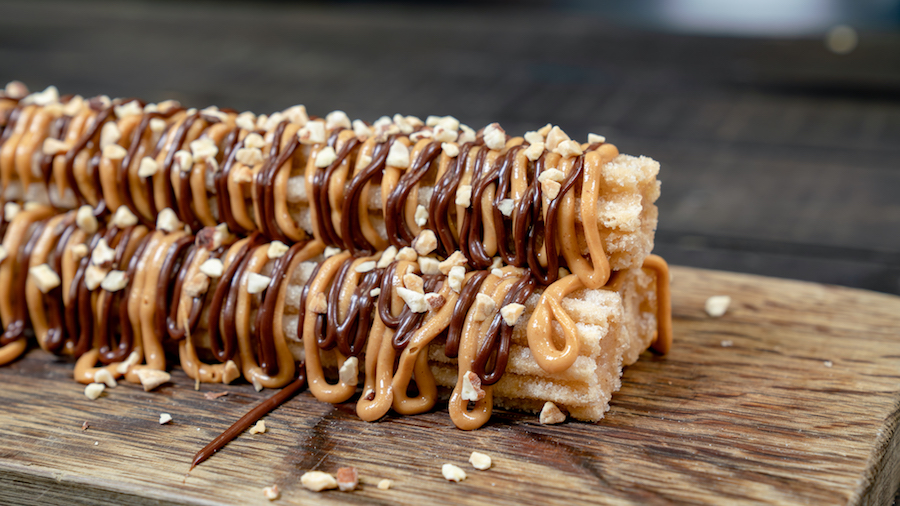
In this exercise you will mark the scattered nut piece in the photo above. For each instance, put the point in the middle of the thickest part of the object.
(85, 426)
(554, 137)
(232, 372)
(84, 218)
(325, 157)
(444, 135)
(594, 138)
(185, 161)
(349, 371)
(726, 343)
(204, 148)
(435, 301)
(450, 149)
(109, 134)
(375, 292)
(468, 135)
(550, 189)
(53, 146)
(494, 136)
(152, 378)
(365, 267)
(413, 299)
(79, 251)
(164, 418)
(506, 206)
(297, 114)
(105, 377)
(828, 363)
(421, 134)
(11, 209)
(44, 277)
(15, 90)
(496, 263)
(213, 267)
(404, 124)
(484, 306)
(132, 108)
(568, 148)
(425, 242)
(361, 129)
(114, 281)
(318, 304)
(253, 141)
(272, 492)
(717, 305)
(471, 387)
(455, 259)
(331, 251)
(276, 249)
(318, 481)
(480, 461)
(258, 428)
(93, 390)
(552, 175)
(256, 283)
(196, 286)
(215, 395)
(347, 479)
(102, 254)
(114, 152)
(93, 276)
(398, 156)
(533, 137)
(124, 218)
(534, 151)
(312, 133)
(511, 313)
(4, 253)
(32, 206)
(453, 473)
(385, 484)
(168, 221)
(157, 125)
(429, 266)
(421, 216)
(408, 254)
(243, 175)
(455, 277)
(387, 257)
(414, 283)
(133, 359)
(550, 414)
(464, 195)
(246, 120)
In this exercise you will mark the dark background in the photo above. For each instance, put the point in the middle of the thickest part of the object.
(779, 155)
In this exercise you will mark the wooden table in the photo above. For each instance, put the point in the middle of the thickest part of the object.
(790, 398)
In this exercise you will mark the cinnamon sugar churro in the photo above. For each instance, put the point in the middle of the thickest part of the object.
(511, 270)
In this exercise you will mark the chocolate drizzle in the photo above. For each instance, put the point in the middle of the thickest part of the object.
(16, 328)
(493, 352)
(397, 229)
(265, 340)
(351, 229)
(320, 185)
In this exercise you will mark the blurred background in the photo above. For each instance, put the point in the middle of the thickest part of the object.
(777, 122)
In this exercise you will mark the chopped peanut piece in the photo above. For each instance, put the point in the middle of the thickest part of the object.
(480, 461)
(550, 414)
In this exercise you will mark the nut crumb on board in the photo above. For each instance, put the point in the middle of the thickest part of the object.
(717, 305)
(347, 478)
(480, 461)
(272, 492)
(385, 484)
(85, 426)
(318, 481)
(453, 473)
(164, 418)
(214, 395)
(551, 414)
(259, 428)
(727, 343)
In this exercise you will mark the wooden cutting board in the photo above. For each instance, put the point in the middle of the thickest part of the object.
(793, 397)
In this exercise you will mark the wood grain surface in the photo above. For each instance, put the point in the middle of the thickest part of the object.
(790, 398)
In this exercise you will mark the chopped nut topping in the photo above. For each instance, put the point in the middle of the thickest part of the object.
(429, 266)
(450, 149)
(85, 426)
(32, 206)
(124, 218)
(253, 141)
(15, 90)
(568, 148)
(471, 387)
(455, 259)
(555, 137)
(545, 130)
(444, 135)
(455, 277)
(243, 175)
(102, 254)
(53, 146)
(132, 108)
(480, 461)
(453, 473)
(550, 414)
(534, 151)
(413, 299)
(464, 195)
(506, 206)
(167, 220)
(152, 378)
(232, 372)
(511, 313)
(213, 267)
(534, 138)
(157, 125)
(405, 126)
(44, 277)
(93, 390)
(204, 148)
(330, 251)
(43, 98)
(414, 283)
(552, 175)
(375, 292)
(550, 188)
(361, 129)
(105, 377)
(385, 484)
(365, 267)
(185, 161)
(347, 479)
(133, 359)
(398, 156)
(318, 481)
(277, 249)
(297, 114)
(256, 283)
(349, 371)
(84, 218)
(425, 242)
(246, 120)
(468, 135)
(484, 306)
(93, 276)
(435, 301)
(114, 281)
(164, 418)
(197, 285)
(318, 304)
(717, 305)
(421, 134)
(3, 254)
(497, 272)
(408, 254)
(494, 136)
(272, 121)
(272, 492)
(11, 209)
(336, 119)
(496, 263)
(594, 138)
(114, 152)
(421, 215)
(325, 157)
(259, 428)
(312, 133)
(387, 257)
